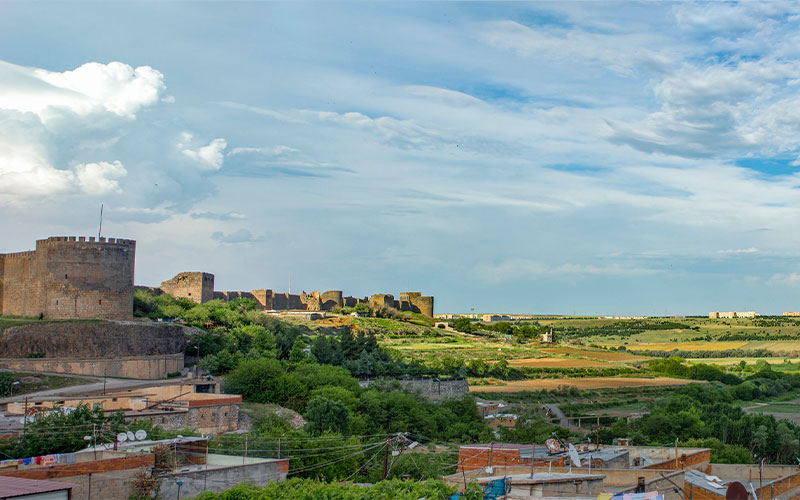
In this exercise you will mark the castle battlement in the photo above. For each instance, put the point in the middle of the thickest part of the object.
(86, 239)
(70, 277)
(18, 255)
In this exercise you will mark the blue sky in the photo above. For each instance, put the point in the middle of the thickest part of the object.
(586, 157)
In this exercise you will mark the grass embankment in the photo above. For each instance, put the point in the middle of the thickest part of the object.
(9, 321)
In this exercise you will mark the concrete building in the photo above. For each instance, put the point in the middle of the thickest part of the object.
(494, 318)
(68, 277)
(792, 313)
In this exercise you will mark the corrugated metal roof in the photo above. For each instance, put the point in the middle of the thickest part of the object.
(17, 486)
(708, 483)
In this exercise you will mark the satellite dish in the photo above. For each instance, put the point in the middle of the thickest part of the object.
(553, 445)
(140, 434)
(122, 437)
(131, 437)
(573, 455)
(736, 491)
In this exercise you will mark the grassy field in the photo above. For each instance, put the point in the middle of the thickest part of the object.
(607, 352)
(581, 383)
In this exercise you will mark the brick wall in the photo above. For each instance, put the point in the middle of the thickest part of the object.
(698, 459)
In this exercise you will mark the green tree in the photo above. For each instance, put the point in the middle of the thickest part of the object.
(463, 325)
(324, 415)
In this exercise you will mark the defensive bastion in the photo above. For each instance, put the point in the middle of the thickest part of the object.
(69, 277)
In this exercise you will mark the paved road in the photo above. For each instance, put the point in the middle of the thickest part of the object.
(557, 414)
(94, 387)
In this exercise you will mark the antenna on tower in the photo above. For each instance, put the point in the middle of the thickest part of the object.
(290, 283)
(100, 231)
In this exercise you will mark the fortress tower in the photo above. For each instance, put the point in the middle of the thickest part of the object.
(70, 277)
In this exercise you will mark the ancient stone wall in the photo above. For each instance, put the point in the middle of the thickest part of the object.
(283, 301)
(382, 300)
(331, 299)
(422, 305)
(69, 277)
(137, 367)
(311, 301)
(263, 298)
(195, 286)
(92, 339)
(191, 285)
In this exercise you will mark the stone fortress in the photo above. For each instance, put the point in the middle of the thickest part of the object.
(199, 287)
(69, 277)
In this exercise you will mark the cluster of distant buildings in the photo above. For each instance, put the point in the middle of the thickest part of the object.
(733, 314)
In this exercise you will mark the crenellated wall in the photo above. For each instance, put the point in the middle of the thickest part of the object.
(70, 277)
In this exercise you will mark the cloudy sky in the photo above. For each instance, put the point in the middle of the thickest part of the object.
(586, 157)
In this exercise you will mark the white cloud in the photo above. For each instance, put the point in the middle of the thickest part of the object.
(739, 251)
(785, 279)
(726, 107)
(44, 115)
(519, 268)
(99, 178)
(269, 151)
(238, 236)
(620, 52)
(208, 157)
(115, 88)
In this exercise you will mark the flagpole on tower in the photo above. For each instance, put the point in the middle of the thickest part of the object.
(100, 231)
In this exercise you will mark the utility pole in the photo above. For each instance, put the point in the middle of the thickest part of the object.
(25, 417)
(386, 459)
(94, 439)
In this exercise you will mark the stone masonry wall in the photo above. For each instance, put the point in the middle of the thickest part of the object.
(70, 277)
(195, 286)
(92, 339)
(138, 367)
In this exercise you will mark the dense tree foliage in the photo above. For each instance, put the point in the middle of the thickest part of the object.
(300, 489)
(702, 413)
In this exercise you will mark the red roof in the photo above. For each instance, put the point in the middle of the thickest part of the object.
(16, 486)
